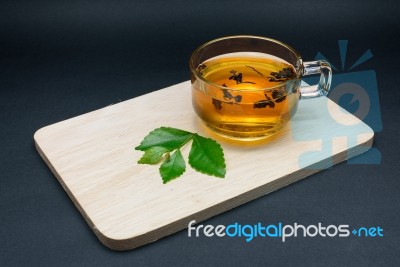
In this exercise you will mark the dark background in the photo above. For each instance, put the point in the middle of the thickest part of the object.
(59, 59)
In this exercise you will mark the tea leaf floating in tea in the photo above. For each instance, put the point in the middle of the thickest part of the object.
(264, 103)
(229, 96)
(282, 75)
(259, 73)
(205, 156)
(238, 77)
(217, 103)
(278, 95)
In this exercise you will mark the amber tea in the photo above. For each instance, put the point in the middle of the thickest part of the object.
(247, 94)
(247, 87)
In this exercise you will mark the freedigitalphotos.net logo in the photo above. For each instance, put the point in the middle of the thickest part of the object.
(354, 91)
(281, 231)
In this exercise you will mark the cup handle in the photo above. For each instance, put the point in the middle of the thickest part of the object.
(322, 88)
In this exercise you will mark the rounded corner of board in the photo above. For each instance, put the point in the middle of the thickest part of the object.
(369, 135)
(118, 244)
(37, 135)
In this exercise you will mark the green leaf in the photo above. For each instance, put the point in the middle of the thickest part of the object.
(152, 155)
(172, 168)
(207, 156)
(168, 138)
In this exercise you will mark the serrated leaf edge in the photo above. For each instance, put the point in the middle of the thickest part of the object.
(193, 135)
(166, 151)
(161, 128)
(169, 159)
(201, 171)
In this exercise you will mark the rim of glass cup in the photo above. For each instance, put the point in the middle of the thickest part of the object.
(291, 49)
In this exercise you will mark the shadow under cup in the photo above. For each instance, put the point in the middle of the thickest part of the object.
(248, 87)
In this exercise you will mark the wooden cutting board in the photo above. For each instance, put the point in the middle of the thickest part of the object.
(127, 205)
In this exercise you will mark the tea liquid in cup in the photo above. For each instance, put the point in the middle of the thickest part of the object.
(248, 87)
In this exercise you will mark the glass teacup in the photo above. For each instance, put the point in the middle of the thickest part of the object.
(248, 87)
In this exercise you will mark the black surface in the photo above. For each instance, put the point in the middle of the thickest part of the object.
(59, 59)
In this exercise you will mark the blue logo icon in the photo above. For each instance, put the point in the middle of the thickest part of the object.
(357, 93)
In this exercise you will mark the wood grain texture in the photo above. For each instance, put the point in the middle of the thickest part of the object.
(127, 205)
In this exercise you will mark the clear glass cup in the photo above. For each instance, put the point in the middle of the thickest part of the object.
(248, 87)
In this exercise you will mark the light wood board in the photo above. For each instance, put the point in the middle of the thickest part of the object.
(127, 205)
